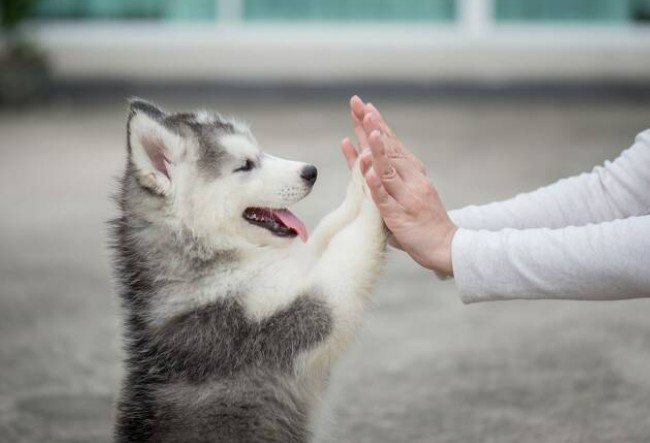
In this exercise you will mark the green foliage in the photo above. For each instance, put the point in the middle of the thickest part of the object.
(13, 12)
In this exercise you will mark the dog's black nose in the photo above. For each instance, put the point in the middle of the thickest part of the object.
(309, 174)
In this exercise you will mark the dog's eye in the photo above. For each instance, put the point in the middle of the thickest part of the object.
(250, 164)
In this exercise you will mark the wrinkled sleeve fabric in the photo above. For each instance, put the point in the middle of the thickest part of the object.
(604, 261)
(585, 237)
(617, 189)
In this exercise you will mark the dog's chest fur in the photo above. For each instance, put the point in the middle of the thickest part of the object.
(220, 340)
(214, 374)
(209, 372)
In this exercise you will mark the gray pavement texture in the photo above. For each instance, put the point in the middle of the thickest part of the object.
(425, 368)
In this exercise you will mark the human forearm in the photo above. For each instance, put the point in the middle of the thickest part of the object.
(595, 262)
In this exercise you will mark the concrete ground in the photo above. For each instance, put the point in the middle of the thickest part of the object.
(425, 368)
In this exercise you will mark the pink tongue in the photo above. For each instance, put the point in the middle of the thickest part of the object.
(292, 221)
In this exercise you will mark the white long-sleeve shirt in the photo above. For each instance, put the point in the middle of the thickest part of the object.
(585, 237)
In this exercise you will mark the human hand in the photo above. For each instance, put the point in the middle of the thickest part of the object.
(408, 203)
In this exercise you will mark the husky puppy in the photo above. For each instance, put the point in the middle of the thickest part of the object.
(233, 314)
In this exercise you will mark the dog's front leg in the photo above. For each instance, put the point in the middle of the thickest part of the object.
(336, 220)
(347, 271)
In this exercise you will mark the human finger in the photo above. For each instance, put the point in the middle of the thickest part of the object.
(384, 169)
(375, 120)
(349, 152)
(370, 123)
(357, 113)
(385, 203)
(405, 162)
(370, 108)
(407, 166)
(359, 132)
(365, 161)
(357, 106)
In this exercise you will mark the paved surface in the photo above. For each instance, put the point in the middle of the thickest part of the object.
(425, 368)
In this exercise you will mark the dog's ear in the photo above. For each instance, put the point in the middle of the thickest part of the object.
(153, 148)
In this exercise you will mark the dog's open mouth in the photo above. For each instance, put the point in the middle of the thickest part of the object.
(280, 222)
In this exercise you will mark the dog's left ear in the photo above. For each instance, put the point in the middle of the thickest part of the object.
(153, 148)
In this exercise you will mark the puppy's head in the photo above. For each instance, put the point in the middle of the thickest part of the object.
(203, 174)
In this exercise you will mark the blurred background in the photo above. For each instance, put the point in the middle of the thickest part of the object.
(496, 96)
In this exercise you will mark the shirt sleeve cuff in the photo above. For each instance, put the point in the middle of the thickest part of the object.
(469, 270)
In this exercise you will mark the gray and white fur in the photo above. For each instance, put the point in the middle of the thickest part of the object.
(230, 328)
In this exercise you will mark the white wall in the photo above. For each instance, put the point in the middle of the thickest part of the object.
(474, 49)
